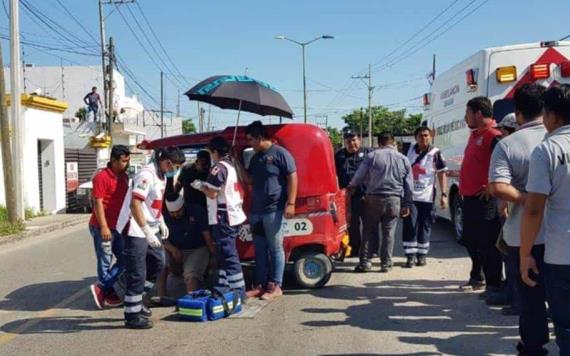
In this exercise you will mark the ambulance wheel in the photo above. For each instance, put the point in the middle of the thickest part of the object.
(457, 216)
(312, 270)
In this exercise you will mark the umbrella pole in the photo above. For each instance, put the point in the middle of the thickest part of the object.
(237, 123)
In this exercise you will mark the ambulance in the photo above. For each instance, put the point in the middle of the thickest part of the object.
(495, 73)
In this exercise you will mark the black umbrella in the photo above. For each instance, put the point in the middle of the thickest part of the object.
(240, 93)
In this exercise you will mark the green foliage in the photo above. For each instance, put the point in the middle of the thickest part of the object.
(81, 114)
(188, 126)
(335, 136)
(6, 228)
(398, 122)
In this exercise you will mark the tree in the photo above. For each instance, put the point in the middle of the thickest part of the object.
(188, 126)
(336, 137)
(383, 119)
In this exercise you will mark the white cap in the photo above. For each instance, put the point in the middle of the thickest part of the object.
(175, 205)
(509, 121)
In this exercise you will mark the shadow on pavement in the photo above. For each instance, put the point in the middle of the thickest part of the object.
(61, 325)
(430, 309)
(41, 296)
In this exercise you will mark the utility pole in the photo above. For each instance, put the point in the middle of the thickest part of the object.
(370, 92)
(24, 69)
(161, 104)
(178, 104)
(209, 118)
(201, 119)
(7, 164)
(18, 130)
(433, 69)
(361, 117)
(106, 83)
(62, 79)
(110, 86)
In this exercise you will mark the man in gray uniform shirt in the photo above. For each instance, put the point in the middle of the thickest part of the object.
(508, 177)
(387, 176)
(547, 211)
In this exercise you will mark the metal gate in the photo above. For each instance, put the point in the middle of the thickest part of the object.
(87, 164)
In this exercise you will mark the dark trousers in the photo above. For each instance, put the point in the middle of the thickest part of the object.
(557, 282)
(417, 229)
(230, 274)
(481, 228)
(533, 325)
(143, 265)
(384, 211)
(356, 223)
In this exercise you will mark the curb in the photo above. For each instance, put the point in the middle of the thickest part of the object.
(36, 231)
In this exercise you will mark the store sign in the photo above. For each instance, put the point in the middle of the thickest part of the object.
(72, 174)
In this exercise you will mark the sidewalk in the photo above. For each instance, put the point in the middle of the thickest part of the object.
(46, 224)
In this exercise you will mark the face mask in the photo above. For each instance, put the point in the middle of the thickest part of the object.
(171, 174)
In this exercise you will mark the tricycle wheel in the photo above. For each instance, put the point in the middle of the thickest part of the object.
(312, 270)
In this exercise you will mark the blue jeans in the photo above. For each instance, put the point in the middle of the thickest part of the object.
(230, 273)
(104, 251)
(557, 282)
(268, 242)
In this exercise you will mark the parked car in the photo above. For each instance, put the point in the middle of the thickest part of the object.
(83, 193)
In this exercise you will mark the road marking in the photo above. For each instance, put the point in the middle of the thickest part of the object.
(38, 317)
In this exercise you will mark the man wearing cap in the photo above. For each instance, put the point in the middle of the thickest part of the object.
(347, 160)
(508, 124)
(190, 245)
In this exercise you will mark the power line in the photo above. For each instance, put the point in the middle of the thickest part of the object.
(77, 22)
(63, 49)
(160, 44)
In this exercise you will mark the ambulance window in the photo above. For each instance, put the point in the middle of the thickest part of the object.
(247, 155)
(502, 108)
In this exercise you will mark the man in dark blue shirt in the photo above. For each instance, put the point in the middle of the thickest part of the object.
(189, 246)
(273, 174)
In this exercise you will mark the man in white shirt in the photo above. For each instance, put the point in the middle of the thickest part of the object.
(144, 255)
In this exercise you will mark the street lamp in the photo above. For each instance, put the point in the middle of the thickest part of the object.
(303, 45)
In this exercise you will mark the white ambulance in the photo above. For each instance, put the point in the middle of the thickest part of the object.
(495, 73)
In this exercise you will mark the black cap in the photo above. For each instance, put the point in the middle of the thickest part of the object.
(348, 134)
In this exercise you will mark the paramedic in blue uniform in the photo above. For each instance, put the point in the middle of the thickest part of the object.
(141, 218)
(427, 165)
(225, 213)
(347, 161)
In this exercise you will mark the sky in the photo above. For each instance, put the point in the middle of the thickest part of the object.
(205, 38)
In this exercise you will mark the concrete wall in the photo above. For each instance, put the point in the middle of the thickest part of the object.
(45, 126)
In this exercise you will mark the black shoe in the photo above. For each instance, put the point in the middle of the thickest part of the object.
(524, 351)
(491, 291)
(385, 268)
(421, 261)
(363, 267)
(498, 299)
(410, 261)
(472, 285)
(138, 323)
(510, 311)
(146, 312)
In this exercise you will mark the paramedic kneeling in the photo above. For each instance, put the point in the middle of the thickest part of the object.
(225, 213)
(144, 256)
(189, 244)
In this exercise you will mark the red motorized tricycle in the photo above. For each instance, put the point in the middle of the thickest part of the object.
(319, 230)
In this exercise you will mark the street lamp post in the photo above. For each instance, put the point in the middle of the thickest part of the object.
(303, 45)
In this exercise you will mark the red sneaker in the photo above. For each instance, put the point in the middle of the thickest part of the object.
(273, 292)
(256, 292)
(112, 300)
(98, 295)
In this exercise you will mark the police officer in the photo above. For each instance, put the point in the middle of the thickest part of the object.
(144, 256)
(347, 161)
(225, 214)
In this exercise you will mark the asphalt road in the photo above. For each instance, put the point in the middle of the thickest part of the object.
(46, 309)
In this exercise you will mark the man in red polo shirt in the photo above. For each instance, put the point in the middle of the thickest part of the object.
(110, 186)
(481, 222)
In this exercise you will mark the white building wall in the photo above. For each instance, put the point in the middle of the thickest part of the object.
(42, 125)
